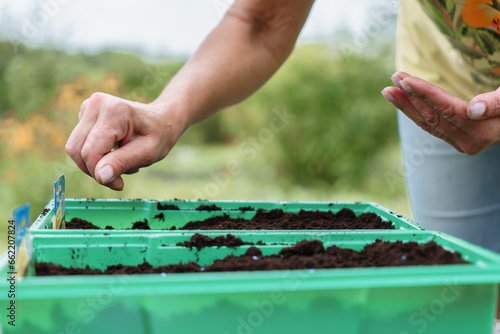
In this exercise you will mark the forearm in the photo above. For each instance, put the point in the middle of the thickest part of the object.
(252, 41)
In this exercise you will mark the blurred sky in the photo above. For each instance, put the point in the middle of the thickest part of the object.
(152, 27)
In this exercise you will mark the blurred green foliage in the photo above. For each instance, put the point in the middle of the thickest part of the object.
(340, 121)
(29, 77)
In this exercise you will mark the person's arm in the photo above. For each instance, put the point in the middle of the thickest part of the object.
(469, 127)
(249, 44)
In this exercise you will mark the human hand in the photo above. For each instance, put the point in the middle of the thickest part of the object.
(469, 127)
(141, 134)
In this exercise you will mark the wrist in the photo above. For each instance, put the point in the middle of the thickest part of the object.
(174, 112)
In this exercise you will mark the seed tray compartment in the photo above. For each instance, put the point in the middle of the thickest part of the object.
(434, 299)
(121, 214)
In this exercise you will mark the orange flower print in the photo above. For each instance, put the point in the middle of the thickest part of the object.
(480, 13)
(495, 71)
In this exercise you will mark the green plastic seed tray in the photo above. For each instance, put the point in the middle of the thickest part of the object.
(459, 299)
(121, 214)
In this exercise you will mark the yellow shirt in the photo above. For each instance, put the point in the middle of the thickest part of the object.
(454, 44)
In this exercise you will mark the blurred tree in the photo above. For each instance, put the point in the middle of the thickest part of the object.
(341, 121)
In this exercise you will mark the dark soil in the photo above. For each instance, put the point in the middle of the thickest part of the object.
(80, 224)
(205, 207)
(277, 219)
(167, 207)
(304, 255)
(141, 225)
(246, 208)
(160, 216)
(45, 211)
(200, 241)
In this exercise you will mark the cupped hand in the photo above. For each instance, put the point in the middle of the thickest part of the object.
(116, 136)
(469, 127)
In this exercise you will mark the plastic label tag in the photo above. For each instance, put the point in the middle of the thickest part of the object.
(24, 246)
(59, 207)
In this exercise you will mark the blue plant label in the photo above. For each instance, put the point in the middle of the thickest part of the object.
(24, 247)
(59, 207)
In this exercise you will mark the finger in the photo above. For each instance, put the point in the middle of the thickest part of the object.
(103, 137)
(77, 140)
(83, 108)
(117, 184)
(451, 111)
(397, 97)
(397, 77)
(484, 105)
(128, 158)
(74, 147)
(398, 80)
(80, 133)
(401, 101)
(448, 106)
(429, 118)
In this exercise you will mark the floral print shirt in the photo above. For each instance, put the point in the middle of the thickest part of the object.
(473, 29)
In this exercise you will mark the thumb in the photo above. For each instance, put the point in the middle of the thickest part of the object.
(484, 105)
(109, 178)
(126, 159)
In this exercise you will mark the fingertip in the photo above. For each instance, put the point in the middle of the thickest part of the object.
(387, 95)
(398, 76)
(404, 85)
(106, 174)
(396, 79)
(476, 110)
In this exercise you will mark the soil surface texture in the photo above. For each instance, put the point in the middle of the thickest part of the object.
(167, 207)
(80, 224)
(141, 225)
(200, 241)
(277, 219)
(205, 207)
(304, 255)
